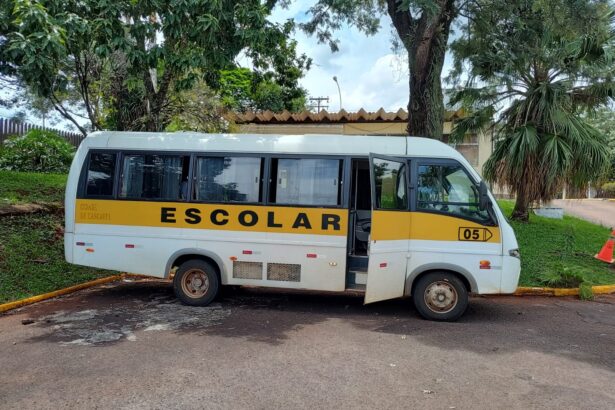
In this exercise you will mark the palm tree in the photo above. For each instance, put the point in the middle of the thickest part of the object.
(534, 68)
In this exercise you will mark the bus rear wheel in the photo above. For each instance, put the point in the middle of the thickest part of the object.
(196, 283)
(440, 296)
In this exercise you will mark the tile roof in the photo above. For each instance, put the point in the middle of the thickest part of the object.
(286, 117)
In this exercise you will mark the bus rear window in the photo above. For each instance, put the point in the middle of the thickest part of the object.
(153, 176)
(101, 171)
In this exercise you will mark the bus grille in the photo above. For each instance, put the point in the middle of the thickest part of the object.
(248, 270)
(284, 271)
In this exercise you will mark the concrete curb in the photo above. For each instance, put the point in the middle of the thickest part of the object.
(598, 290)
(28, 301)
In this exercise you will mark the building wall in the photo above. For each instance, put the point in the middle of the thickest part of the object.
(475, 148)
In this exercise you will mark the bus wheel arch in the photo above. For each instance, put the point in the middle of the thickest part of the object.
(182, 256)
(465, 277)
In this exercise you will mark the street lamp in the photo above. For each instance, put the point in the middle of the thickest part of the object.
(338, 90)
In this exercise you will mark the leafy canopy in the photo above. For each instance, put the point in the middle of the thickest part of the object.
(537, 66)
(125, 57)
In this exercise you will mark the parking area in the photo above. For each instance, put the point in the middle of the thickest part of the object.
(132, 345)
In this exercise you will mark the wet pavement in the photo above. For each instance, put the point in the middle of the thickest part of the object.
(132, 345)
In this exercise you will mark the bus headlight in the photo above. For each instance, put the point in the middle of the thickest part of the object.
(514, 253)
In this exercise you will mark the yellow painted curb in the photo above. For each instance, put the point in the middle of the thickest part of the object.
(28, 301)
(597, 290)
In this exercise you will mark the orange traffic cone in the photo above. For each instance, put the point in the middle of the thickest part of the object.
(606, 253)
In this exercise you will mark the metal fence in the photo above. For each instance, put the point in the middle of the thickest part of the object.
(9, 128)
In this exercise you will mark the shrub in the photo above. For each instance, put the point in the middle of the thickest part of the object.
(37, 151)
(609, 189)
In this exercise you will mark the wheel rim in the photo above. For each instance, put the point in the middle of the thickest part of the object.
(441, 297)
(195, 283)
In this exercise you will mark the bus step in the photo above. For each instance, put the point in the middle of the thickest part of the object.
(356, 278)
(356, 287)
(357, 262)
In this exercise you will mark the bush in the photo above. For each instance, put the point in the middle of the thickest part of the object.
(609, 189)
(37, 151)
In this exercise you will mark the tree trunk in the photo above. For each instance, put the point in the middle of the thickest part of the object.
(521, 210)
(425, 41)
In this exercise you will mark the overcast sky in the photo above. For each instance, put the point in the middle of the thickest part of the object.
(369, 73)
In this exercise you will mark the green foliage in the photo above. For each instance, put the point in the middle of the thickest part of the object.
(198, 109)
(37, 151)
(244, 90)
(126, 59)
(603, 119)
(564, 278)
(31, 187)
(32, 257)
(609, 189)
(585, 291)
(550, 247)
(538, 66)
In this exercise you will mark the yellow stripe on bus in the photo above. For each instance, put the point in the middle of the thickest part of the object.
(386, 225)
(315, 221)
(394, 225)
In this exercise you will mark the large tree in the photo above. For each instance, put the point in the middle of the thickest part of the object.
(422, 27)
(536, 66)
(125, 58)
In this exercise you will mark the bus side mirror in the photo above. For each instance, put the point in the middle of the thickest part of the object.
(483, 196)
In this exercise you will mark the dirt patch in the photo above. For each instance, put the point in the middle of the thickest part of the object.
(27, 209)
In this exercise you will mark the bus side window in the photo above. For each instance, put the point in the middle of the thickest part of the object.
(448, 189)
(229, 179)
(306, 181)
(100, 174)
(154, 176)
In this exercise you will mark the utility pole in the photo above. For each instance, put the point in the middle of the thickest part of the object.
(316, 102)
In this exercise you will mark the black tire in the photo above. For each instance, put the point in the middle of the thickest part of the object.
(196, 283)
(440, 296)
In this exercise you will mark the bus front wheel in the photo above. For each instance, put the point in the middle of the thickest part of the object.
(440, 296)
(196, 283)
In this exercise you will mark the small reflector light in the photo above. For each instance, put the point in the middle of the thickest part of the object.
(485, 264)
(89, 250)
(247, 252)
(383, 265)
(129, 246)
(80, 243)
(233, 258)
(311, 255)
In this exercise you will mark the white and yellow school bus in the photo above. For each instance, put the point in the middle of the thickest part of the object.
(387, 216)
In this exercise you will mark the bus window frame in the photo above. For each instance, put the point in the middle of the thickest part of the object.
(82, 192)
(119, 175)
(409, 185)
(345, 192)
(418, 161)
(193, 176)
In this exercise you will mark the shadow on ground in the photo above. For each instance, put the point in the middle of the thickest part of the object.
(583, 331)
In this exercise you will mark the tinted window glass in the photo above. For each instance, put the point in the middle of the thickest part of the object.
(228, 179)
(448, 189)
(154, 177)
(100, 176)
(391, 186)
(306, 181)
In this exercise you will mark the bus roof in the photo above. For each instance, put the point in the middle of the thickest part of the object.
(268, 143)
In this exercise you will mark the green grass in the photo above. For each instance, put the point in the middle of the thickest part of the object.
(26, 187)
(550, 247)
(32, 257)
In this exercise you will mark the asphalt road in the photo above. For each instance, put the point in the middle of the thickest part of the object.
(131, 345)
(596, 211)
